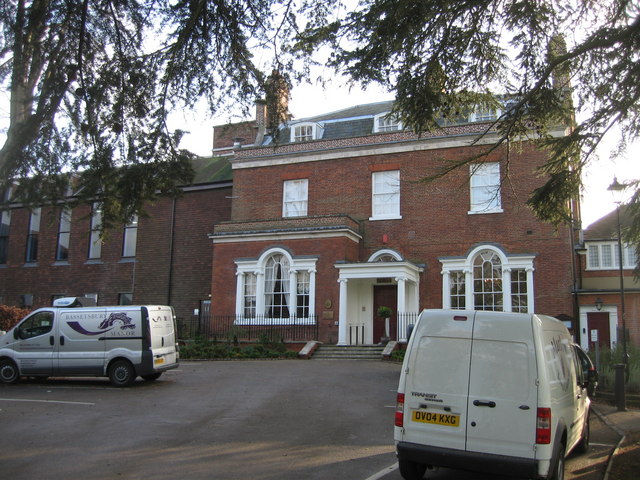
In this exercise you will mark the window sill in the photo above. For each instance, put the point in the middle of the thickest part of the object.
(376, 219)
(59, 263)
(94, 261)
(482, 212)
(127, 260)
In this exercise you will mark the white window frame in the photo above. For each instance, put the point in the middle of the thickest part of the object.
(95, 239)
(64, 235)
(257, 269)
(484, 114)
(305, 132)
(295, 198)
(385, 195)
(510, 263)
(385, 122)
(130, 238)
(485, 192)
(604, 255)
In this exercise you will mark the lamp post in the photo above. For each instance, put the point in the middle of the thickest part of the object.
(617, 189)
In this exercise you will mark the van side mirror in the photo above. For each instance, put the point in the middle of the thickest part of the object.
(15, 334)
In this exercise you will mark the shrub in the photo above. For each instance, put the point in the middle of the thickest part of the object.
(609, 357)
(202, 349)
(10, 316)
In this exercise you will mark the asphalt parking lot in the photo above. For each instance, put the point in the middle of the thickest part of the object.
(316, 420)
(207, 420)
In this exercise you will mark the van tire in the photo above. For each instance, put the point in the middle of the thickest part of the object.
(151, 377)
(121, 373)
(583, 444)
(558, 466)
(412, 470)
(9, 372)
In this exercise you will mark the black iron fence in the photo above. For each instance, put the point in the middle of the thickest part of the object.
(234, 328)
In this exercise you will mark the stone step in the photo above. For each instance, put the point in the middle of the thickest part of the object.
(351, 352)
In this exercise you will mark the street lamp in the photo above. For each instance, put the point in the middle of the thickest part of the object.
(617, 189)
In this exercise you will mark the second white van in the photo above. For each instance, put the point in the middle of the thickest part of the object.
(119, 342)
(492, 392)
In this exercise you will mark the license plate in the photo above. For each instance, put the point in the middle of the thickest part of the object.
(445, 419)
(159, 361)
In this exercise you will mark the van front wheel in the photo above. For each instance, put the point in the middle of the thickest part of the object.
(411, 470)
(121, 373)
(9, 372)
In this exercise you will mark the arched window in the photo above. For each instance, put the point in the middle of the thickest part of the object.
(488, 279)
(276, 286)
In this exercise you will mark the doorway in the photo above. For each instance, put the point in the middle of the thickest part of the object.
(599, 321)
(385, 295)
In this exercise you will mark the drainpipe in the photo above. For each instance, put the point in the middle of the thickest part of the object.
(171, 240)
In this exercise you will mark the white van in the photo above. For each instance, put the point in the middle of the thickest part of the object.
(120, 342)
(492, 392)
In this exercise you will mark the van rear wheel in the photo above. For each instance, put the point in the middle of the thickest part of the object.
(9, 372)
(412, 470)
(121, 373)
(558, 470)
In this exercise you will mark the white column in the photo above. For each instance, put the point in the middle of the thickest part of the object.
(239, 294)
(402, 294)
(259, 293)
(312, 293)
(506, 290)
(446, 289)
(293, 293)
(530, 296)
(342, 315)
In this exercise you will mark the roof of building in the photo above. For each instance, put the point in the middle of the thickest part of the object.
(211, 170)
(606, 228)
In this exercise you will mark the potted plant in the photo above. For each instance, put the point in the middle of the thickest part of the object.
(385, 312)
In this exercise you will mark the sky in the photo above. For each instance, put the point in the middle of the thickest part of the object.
(309, 100)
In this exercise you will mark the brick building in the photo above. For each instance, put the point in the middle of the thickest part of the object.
(162, 258)
(599, 279)
(331, 221)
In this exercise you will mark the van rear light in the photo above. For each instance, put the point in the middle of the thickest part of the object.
(400, 410)
(543, 426)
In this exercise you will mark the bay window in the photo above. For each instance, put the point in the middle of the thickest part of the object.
(276, 286)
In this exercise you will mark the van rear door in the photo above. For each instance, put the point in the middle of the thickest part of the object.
(502, 386)
(161, 335)
(437, 381)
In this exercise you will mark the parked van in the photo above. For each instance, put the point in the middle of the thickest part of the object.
(492, 392)
(120, 342)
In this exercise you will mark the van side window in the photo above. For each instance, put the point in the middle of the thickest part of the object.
(39, 324)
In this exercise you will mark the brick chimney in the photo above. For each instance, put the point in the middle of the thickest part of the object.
(274, 109)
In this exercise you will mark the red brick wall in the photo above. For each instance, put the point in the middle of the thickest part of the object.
(147, 278)
(435, 220)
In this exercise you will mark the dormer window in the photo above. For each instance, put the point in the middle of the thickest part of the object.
(385, 122)
(484, 114)
(305, 132)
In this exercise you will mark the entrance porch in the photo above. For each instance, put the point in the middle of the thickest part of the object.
(385, 280)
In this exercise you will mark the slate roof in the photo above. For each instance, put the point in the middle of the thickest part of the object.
(211, 170)
(606, 228)
(346, 123)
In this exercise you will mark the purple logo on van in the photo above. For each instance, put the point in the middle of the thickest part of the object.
(114, 320)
